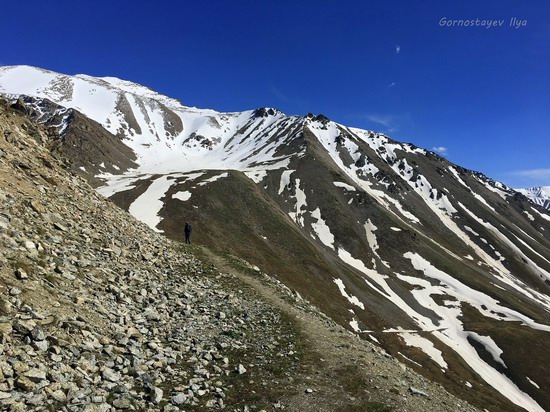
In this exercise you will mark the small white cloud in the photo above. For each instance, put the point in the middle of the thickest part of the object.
(384, 119)
(440, 149)
(391, 122)
(527, 177)
(533, 173)
(397, 49)
(390, 85)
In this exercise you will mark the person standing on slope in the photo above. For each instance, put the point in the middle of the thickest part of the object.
(188, 229)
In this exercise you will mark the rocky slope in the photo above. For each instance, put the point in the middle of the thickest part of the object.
(99, 313)
(444, 267)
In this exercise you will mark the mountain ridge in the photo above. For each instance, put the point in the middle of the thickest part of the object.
(357, 223)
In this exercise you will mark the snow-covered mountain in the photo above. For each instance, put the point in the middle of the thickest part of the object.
(165, 135)
(442, 266)
(540, 195)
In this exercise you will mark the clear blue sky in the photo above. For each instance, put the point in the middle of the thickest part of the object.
(481, 95)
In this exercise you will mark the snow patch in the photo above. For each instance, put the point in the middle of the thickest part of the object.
(544, 216)
(121, 183)
(285, 180)
(193, 176)
(146, 207)
(345, 186)
(457, 177)
(500, 192)
(321, 229)
(352, 299)
(183, 196)
(427, 346)
(472, 231)
(373, 243)
(490, 346)
(482, 200)
(256, 176)
(533, 383)
(355, 325)
(213, 179)
(301, 205)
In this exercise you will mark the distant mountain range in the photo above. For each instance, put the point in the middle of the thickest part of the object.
(444, 267)
(540, 195)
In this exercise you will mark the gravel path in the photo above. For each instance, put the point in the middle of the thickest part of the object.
(338, 370)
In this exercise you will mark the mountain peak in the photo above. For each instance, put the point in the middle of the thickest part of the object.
(266, 112)
(321, 118)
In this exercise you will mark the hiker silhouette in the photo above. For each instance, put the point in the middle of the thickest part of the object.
(188, 229)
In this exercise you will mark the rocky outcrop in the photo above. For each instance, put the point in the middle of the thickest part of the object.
(89, 148)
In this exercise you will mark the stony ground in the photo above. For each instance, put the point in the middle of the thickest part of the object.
(99, 313)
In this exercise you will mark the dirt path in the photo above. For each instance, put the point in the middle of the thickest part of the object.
(339, 371)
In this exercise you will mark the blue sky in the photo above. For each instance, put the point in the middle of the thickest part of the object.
(481, 96)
